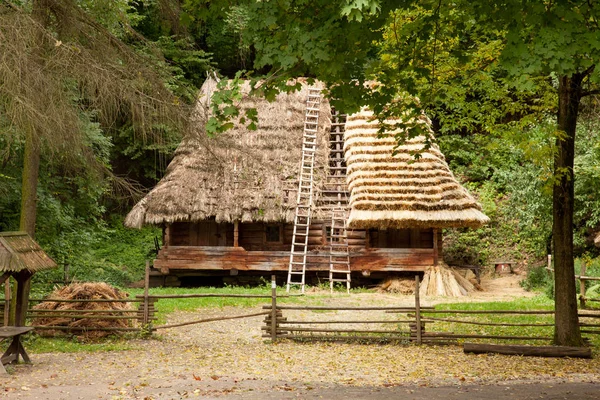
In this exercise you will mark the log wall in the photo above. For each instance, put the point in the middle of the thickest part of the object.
(209, 246)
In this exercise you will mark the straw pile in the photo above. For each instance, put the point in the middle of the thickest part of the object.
(397, 285)
(84, 291)
(443, 281)
(398, 191)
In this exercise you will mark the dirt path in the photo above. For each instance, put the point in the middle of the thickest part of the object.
(229, 359)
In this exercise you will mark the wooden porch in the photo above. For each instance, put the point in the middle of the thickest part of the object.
(222, 258)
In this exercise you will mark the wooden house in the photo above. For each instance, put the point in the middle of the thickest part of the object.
(226, 204)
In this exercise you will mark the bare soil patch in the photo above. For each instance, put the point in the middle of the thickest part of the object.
(230, 359)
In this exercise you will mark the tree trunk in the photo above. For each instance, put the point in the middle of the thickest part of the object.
(31, 158)
(566, 328)
(31, 169)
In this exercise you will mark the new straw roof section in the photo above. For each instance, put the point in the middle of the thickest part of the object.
(241, 174)
(399, 191)
(18, 252)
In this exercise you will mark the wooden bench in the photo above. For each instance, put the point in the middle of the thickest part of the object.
(15, 349)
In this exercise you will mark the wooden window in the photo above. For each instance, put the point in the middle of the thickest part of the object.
(273, 233)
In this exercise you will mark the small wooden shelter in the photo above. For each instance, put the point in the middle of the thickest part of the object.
(21, 257)
(226, 204)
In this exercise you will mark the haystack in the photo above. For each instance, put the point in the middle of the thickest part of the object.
(397, 285)
(444, 281)
(85, 291)
(390, 190)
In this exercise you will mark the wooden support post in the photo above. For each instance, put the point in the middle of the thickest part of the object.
(167, 240)
(418, 308)
(6, 301)
(146, 319)
(236, 234)
(22, 299)
(273, 309)
(582, 285)
(435, 247)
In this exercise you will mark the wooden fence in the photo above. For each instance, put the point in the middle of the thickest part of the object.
(416, 323)
(409, 325)
(583, 279)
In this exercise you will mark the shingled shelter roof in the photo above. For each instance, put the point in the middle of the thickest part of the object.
(399, 191)
(238, 175)
(18, 252)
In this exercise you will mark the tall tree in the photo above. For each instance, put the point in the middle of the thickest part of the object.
(535, 41)
(60, 69)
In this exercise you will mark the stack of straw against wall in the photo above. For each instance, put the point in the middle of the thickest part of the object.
(442, 281)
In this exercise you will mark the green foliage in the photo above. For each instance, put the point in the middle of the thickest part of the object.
(102, 252)
(538, 278)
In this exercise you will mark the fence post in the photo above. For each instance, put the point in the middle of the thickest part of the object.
(146, 318)
(6, 301)
(273, 309)
(582, 284)
(418, 308)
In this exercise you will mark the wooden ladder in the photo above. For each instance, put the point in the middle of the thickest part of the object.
(339, 256)
(299, 250)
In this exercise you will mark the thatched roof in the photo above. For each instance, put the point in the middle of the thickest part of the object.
(238, 175)
(18, 252)
(397, 191)
(597, 240)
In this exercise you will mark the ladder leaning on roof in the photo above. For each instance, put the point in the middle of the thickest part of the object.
(339, 255)
(337, 190)
(299, 250)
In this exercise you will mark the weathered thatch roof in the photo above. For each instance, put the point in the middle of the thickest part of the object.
(597, 240)
(18, 252)
(397, 191)
(238, 175)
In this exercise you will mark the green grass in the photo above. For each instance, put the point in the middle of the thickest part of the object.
(35, 344)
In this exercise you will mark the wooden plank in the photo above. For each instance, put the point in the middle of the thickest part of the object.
(236, 234)
(435, 248)
(535, 351)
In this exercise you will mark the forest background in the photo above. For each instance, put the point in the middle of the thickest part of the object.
(498, 138)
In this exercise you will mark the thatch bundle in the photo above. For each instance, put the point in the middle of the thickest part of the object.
(85, 291)
(240, 174)
(443, 281)
(399, 191)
